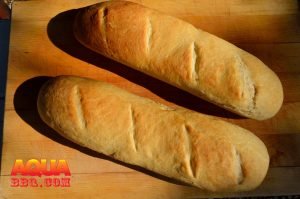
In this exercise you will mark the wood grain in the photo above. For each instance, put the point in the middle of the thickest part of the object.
(137, 185)
(42, 45)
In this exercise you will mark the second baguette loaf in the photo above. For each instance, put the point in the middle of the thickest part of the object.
(176, 52)
(194, 148)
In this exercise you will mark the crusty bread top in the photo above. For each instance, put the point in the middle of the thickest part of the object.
(176, 52)
(195, 148)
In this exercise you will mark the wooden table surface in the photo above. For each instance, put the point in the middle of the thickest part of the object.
(42, 45)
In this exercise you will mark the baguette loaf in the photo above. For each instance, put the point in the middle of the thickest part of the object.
(197, 149)
(176, 52)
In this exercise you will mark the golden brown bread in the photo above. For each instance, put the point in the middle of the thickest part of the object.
(194, 148)
(176, 52)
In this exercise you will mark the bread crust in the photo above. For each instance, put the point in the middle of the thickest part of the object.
(176, 52)
(200, 150)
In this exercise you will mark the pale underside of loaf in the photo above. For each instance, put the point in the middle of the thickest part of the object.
(176, 52)
(197, 149)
